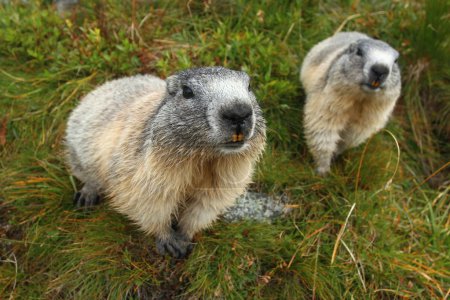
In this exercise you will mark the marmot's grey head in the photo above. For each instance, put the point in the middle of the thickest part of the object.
(210, 107)
(371, 64)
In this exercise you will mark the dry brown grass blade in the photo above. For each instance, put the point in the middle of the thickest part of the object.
(359, 268)
(3, 126)
(341, 233)
(389, 182)
(315, 269)
(420, 270)
(12, 76)
(356, 16)
(403, 294)
(358, 174)
(361, 160)
(427, 179)
(306, 238)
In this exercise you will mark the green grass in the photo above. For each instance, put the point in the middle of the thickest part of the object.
(376, 228)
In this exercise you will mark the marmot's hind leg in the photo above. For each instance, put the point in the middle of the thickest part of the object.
(87, 196)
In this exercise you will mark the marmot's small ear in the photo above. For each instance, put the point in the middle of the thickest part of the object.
(172, 84)
(352, 48)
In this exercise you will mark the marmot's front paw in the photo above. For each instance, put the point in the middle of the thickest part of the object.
(323, 171)
(87, 197)
(178, 245)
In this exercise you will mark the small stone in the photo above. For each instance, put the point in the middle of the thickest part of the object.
(257, 207)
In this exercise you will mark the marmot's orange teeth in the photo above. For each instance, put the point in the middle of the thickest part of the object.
(375, 84)
(237, 137)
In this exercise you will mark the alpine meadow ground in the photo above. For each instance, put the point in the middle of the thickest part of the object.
(376, 228)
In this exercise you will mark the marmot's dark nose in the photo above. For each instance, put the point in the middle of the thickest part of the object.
(379, 72)
(237, 114)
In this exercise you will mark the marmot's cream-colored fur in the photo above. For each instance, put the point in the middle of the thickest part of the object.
(352, 83)
(171, 155)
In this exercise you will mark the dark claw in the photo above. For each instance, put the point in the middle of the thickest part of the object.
(85, 200)
(175, 252)
(91, 200)
(76, 197)
(97, 200)
(81, 201)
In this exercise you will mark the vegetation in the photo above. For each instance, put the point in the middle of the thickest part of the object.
(376, 228)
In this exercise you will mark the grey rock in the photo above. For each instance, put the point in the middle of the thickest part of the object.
(257, 207)
(65, 6)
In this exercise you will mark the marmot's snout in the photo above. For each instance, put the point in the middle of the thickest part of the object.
(380, 65)
(378, 75)
(237, 124)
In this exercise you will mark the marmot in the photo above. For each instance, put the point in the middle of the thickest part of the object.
(352, 83)
(171, 155)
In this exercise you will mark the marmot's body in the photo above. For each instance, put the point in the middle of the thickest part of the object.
(352, 83)
(171, 155)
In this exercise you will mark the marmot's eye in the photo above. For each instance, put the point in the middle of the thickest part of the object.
(187, 92)
(249, 87)
(359, 51)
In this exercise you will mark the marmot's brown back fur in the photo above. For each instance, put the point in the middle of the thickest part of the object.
(352, 83)
(171, 155)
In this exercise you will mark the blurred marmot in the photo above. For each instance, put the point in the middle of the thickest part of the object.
(352, 83)
(171, 155)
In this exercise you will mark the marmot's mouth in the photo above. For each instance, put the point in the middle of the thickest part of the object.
(235, 138)
(236, 141)
(233, 145)
(374, 85)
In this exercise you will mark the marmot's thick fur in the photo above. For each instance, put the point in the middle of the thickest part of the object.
(352, 83)
(171, 155)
